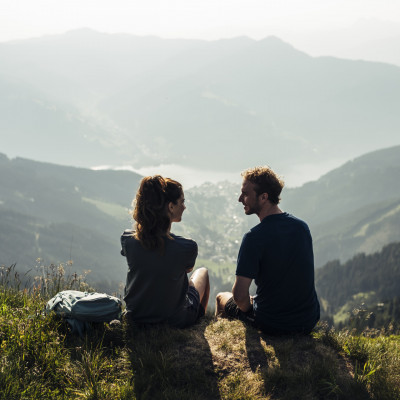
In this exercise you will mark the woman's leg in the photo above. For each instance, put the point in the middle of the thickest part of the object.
(201, 282)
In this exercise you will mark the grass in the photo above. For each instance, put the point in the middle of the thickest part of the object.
(346, 310)
(215, 359)
(111, 209)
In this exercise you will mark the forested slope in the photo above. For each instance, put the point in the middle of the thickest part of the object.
(362, 282)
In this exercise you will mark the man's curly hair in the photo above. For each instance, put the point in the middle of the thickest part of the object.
(265, 181)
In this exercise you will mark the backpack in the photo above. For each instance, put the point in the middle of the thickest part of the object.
(80, 309)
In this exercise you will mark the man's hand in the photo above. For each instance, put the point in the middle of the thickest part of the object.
(241, 294)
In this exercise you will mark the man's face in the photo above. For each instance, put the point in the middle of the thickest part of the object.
(249, 198)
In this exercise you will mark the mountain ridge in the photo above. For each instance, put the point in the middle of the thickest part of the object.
(172, 101)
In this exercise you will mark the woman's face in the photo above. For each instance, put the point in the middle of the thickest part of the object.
(176, 210)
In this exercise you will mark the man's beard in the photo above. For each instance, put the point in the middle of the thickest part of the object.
(253, 210)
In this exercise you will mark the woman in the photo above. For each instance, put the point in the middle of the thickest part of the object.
(157, 287)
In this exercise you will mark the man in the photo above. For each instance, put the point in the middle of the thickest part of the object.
(277, 253)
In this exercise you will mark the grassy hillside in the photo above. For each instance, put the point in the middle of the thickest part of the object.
(365, 230)
(215, 359)
(59, 213)
(360, 182)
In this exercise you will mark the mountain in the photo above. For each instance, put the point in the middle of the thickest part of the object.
(362, 231)
(359, 182)
(277, 104)
(59, 213)
(121, 99)
(34, 124)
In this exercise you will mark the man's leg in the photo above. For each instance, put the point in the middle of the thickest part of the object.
(201, 282)
(220, 303)
(226, 307)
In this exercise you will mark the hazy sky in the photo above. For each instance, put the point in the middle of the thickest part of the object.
(204, 19)
(318, 27)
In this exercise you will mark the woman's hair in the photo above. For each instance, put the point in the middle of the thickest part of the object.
(150, 210)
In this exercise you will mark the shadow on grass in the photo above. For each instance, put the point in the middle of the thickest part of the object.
(169, 363)
(301, 367)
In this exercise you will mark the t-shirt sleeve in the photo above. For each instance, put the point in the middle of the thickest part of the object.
(124, 237)
(193, 254)
(248, 260)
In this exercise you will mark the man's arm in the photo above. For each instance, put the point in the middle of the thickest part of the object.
(241, 294)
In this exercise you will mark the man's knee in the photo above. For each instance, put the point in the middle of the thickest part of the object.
(220, 302)
(219, 298)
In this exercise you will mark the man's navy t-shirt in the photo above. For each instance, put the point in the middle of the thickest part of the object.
(277, 253)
